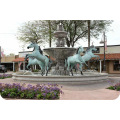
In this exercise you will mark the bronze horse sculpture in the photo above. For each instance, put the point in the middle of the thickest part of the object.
(37, 53)
(78, 59)
(71, 61)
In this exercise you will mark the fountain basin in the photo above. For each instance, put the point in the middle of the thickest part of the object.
(60, 52)
(75, 80)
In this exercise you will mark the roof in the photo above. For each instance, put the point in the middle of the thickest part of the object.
(20, 59)
(107, 46)
(113, 56)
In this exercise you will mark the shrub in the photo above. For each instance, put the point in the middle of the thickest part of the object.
(115, 87)
(4, 94)
(3, 76)
(111, 88)
(37, 70)
(118, 88)
(13, 94)
(39, 96)
(15, 90)
(30, 95)
(22, 95)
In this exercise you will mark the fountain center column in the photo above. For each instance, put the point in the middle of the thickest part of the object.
(60, 52)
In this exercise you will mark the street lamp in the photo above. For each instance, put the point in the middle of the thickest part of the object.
(0, 55)
(103, 42)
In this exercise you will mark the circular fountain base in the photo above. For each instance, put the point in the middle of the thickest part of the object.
(60, 54)
(76, 79)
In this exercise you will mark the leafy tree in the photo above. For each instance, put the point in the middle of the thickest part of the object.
(78, 29)
(39, 31)
(43, 30)
(30, 31)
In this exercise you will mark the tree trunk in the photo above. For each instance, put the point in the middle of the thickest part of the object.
(88, 33)
(67, 42)
(88, 22)
(49, 23)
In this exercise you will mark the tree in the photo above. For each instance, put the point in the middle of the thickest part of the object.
(49, 23)
(88, 22)
(43, 31)
(39, 31)
(30, 31)
(78, 29)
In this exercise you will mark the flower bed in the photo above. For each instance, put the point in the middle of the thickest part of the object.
(115, 87)
(3, 76)
(15, 90)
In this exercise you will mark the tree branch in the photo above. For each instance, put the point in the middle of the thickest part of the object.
(81, 35)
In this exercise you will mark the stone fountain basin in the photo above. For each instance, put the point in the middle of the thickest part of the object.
(60, 52)
(87, 78)
(61, 34)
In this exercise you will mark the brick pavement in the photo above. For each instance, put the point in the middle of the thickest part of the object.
(82, 92)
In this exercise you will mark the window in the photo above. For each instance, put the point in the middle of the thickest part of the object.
(116, 65)
(97, 51)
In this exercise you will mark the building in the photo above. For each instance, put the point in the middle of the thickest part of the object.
(112, 60)
(20, 63)
(8, 61)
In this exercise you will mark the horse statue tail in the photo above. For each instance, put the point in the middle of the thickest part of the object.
(26, 57)
(50, 61)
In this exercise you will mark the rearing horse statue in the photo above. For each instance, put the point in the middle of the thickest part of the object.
(87, 56)
(37, 53)
(34, 61)
(75, 59)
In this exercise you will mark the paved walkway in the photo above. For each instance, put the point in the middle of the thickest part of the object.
(82, 92)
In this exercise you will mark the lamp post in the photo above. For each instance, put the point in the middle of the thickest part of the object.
(0, 55)
(103, 42)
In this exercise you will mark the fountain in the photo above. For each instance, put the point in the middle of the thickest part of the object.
(58, 73)
(60, 52)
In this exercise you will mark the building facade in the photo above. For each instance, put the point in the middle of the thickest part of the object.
(8, 62)
(112, 60)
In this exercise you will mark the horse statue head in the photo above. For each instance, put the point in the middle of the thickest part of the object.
(33, 45)
(79, 50)
(91, 48)
(37, 53)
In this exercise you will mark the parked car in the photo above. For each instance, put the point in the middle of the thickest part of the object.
(3, 68)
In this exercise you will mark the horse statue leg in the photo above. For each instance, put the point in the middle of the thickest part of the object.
(72, 65)
(42, 70)
(42, 66)
(80, 67)
(47, 62)
(28, 66)
(96, 56)
(68, 68)
(46, 70)
(76, 68)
